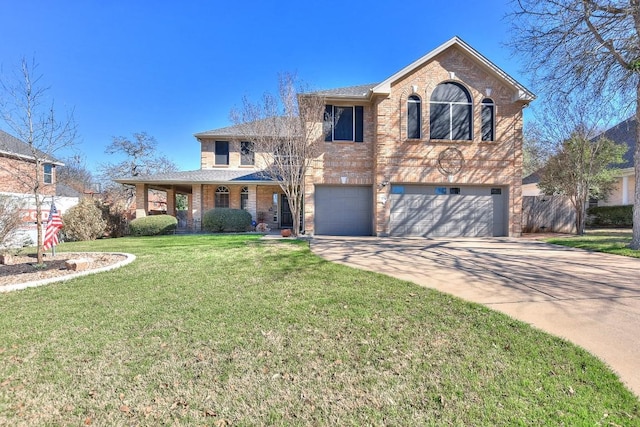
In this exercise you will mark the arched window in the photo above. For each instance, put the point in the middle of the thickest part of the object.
(450, 116)
(414, 117)
(222, 197)
(244, 198)
(488, 119)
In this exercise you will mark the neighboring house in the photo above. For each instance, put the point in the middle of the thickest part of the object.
(624, 188)
(17, 179)
(433, 150)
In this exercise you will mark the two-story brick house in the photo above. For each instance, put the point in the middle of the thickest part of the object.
(434, 150)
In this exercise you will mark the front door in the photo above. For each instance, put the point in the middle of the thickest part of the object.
(286, 219)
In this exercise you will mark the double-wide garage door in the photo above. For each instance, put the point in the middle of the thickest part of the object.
(447, 211)
(343, 210)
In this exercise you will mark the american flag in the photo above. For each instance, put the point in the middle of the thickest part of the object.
(54, 224)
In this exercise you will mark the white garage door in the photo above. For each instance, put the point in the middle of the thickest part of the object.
(448, 211)
(343, 210)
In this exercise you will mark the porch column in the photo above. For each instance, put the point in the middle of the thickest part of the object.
(196, 206)
(252, 202)
(625, 190)
(142, 200)
(171, 202)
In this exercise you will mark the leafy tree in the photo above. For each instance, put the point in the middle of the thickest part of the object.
(286, 130)
(582, 169)
(584, 46)
(34, 120)
(141, 157)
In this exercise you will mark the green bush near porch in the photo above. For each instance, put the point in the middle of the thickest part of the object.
(153, 225)
(611, 216)
(222, 220)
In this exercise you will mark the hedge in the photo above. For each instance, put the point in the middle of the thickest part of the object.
(226, 220)
(83, 221)
(611, 216)
(153, 225)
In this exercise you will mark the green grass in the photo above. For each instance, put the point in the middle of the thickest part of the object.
(608, 241)
(231, 330)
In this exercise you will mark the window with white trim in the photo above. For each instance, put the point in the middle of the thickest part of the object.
(222, 197)
(450, 112)
(244, 198)
(247, 155)
(48, 173)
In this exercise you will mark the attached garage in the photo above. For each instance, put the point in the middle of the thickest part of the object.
(343, 210)
(448, 211)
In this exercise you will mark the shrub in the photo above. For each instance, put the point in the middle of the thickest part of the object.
(10, 219)
(115, 216)
(611, 216)
(83, 222)
(153, 225)
(226, 220)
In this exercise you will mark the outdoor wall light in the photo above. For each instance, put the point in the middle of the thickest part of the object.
(385, 183)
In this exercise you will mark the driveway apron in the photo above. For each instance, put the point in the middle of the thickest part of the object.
(591, 299)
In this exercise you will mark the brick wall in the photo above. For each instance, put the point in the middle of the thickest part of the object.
(18, 176)
(387, 154)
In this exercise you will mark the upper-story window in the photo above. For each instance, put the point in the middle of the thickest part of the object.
(48, 173)
(450, 116)
(222, 153)
(247, 155)
(414, 117)
(222, 197)
(344, 123)
(244, 198)
(488, 120)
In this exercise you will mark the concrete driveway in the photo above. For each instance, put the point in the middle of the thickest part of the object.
(591, 299)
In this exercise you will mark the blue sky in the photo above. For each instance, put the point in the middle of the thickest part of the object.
(175, 68)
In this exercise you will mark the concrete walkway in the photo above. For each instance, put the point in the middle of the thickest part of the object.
(591, 299)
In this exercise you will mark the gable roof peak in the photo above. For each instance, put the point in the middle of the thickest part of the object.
(523, 94)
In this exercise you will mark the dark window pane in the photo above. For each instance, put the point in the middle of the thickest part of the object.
(327, 125)
(247, 156)
(450, 92)
(496, 191)
(460, 122)
(454, 190)
(413, 117)
(244, 201)
(222, 152)
(439, 119)
(359, 124)
(487, 122)
(343, 123)
(48, 173)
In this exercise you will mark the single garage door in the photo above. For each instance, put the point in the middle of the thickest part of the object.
(343, 210)
(448, 211)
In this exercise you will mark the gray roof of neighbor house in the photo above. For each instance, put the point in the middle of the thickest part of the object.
(626, 133)
(361, 91)
(282, 129)
(12, 146)
(201, 176)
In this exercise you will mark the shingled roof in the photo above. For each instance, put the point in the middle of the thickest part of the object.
(200, 176)
(12, 146)
(625, 133)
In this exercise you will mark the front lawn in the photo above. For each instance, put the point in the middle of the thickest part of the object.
(232, 330)
(610, 241)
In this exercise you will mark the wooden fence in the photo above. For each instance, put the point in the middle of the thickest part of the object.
(544, 214)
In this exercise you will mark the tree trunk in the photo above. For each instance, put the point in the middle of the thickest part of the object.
(635, 240)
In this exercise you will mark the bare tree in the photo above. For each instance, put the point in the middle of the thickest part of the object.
(75, 175)
(33, 120)
(286, 131)
(587, 46)
(141, 157)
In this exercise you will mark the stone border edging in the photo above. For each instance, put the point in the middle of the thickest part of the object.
(19, 286)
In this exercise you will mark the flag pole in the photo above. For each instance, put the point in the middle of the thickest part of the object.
(53, 247)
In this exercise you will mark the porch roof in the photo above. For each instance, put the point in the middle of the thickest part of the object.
(202, 176)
